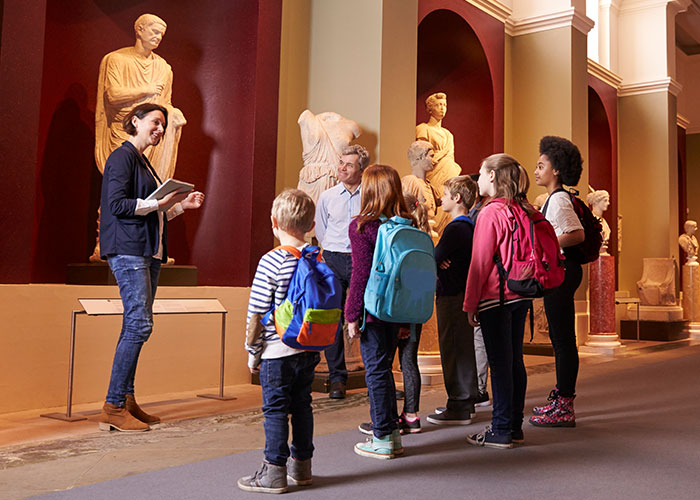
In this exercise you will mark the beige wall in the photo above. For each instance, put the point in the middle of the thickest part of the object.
(688, 74)
(294, 80)
(648, 178)
(357, 59)
(181, 355)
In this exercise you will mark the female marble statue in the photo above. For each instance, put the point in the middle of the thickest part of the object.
(323, 137)
(599, 201)
(444, 148)
(689, 243)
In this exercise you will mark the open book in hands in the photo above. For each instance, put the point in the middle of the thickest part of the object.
(168, 187)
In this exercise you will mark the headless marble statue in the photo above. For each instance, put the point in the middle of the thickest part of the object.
(129, 77)
(443, 144)
(689, 243)
(323, 137)
(599, 201)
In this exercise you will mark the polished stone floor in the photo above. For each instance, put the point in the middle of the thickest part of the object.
(39, 455)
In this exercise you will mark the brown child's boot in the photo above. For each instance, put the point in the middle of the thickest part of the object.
(133, 408)
(119, 418)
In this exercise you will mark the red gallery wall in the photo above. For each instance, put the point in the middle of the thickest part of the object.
(225, 60)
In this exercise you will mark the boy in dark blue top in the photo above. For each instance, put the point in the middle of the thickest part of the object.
(455, 335)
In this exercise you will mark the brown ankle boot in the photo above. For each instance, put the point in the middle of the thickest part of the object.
(115, 417)
(133, 408)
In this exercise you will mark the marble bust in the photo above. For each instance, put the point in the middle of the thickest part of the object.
(689, 243)
(132, 76)
(128, 77)
(422, 159)
(599, 201)
(323, 137)
(443, 144)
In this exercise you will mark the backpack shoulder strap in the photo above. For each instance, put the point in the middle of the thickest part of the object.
(289, 248)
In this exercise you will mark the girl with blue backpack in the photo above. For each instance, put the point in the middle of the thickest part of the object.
(382, 198)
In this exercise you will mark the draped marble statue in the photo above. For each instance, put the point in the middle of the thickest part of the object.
(444, 148)
(128, 77)
(323, 137)
(422, 160)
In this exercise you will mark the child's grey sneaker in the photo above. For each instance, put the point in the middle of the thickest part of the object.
(268, 479)
(299, 471)
(449, 417)
(490, 439)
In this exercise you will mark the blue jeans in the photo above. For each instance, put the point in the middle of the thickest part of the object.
(341, 265)
(137, 278)
(286, 389)
(378, 345)
(503, 328)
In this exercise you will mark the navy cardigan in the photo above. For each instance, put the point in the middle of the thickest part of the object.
(126, 178)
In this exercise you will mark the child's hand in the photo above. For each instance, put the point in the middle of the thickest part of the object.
(404, 332)
(473, 318)
(254, 370)
(445, 264)
(354, 329)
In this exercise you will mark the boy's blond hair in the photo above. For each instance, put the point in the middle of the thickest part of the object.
(294, 211)
(464, 186)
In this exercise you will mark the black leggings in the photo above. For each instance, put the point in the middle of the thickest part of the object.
(408, 357)
(561, 315)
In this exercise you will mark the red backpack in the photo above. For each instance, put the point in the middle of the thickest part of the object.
(537, 265)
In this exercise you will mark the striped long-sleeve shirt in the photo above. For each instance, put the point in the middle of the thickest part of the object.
(269, 289)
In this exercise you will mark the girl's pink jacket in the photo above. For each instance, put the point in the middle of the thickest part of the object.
(494, 229)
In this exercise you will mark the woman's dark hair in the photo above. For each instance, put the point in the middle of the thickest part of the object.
(564, 157)
(139, 112)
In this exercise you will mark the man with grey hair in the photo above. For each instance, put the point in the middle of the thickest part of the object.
(335, 208)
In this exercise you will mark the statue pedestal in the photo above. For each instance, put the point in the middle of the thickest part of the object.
(602, 337)
(691, 298)
(656, 313)
(429, 363)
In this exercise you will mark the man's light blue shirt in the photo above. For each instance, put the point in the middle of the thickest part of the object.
(335, 209)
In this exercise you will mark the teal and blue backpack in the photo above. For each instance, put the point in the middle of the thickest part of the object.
(401, 285)
(309, 317)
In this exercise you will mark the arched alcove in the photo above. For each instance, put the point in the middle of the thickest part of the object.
(602, 167)
(451, 59)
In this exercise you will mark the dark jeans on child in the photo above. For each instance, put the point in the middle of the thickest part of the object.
(408, 357)
(341, 265)
(503, 328)
(561, 316)
(378, 345)
(286, 390)
(456, 340)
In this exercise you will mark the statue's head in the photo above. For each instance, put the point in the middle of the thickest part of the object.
(421, 155)
(599, 199)
(150, 29)
(691, 227)
(436, 104)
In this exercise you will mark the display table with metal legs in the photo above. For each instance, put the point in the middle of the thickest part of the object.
(113, 307)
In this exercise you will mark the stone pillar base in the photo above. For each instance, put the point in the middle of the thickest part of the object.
(603, 343)
(693, 330)
(430, 369)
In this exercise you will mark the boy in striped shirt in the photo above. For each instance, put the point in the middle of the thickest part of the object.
(286, 373)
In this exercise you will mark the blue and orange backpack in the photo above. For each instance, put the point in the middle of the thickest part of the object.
(309, 317)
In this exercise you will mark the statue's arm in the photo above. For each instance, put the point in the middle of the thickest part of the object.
(119, 90)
